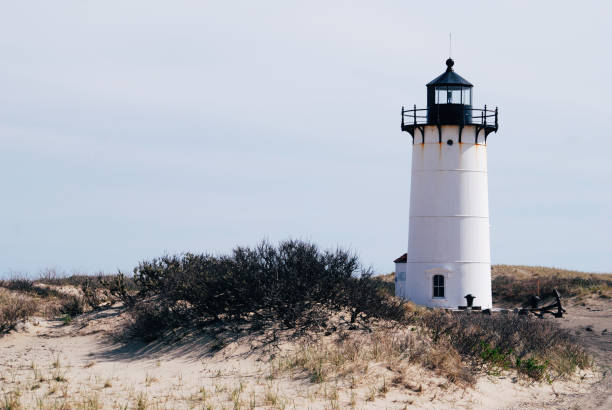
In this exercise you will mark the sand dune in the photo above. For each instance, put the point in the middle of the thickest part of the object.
(87, 364)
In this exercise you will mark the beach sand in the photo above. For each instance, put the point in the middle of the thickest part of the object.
(87, 364)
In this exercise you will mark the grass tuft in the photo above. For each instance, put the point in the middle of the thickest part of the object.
(534, 347)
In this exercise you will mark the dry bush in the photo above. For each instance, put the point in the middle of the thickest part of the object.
(14, 308)
(18, 284)
(387, 283)
(150, 319)
(27, 286)
(294, 284)
(118, 288)
(536, 347)
(75, 294)
(51, 277)
(97, 290)
(72, 305)
(47, 300)
(353, 355)
(514, 284)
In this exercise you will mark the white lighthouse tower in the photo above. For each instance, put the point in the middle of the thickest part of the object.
(448, 254)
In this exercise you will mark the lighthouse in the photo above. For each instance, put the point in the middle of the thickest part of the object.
(448, 255)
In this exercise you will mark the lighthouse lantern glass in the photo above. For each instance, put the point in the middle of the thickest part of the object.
(466, 97)
(453, 95)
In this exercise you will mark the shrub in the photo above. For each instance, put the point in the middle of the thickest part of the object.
(532, 368)
(533, 346)
(14, 308)
(151, 319)
(29, 287)
(78, 281)
(367, 296)
(72, 305)
(18, 284)
(51, 277)
(295, 284)
(91, 295)
(119, 287)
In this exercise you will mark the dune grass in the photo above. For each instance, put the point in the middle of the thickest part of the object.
(52, 295)
(386, 352)
(539, 349)
(515, 283)
(14, 308)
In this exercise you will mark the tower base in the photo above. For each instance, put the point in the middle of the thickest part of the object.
(415, 282)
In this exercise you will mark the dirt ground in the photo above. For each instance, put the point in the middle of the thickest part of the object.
(50, 364)
(591, 321)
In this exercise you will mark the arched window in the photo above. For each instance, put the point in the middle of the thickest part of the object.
(438, 286)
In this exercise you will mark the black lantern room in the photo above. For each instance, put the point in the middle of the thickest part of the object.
(448, 96)
(449, 102)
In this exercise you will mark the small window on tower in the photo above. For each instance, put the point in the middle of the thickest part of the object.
(438, 286)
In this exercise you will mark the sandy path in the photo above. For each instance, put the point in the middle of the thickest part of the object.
(596, 316)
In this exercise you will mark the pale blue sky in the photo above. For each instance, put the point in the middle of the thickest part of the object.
(132, 129)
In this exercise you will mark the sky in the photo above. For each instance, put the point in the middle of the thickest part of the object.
(134, 129)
